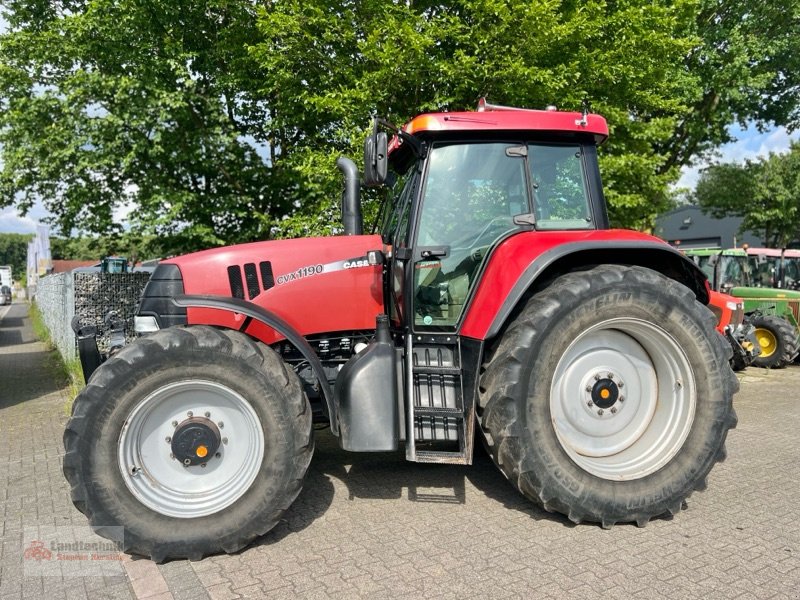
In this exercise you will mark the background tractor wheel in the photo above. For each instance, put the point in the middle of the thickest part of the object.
(778, 340)
(609, 396)
(194, 439)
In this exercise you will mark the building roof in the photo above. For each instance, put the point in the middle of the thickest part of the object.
(65, 266)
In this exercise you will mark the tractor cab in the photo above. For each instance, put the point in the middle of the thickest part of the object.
(457, 196)
(456, 186)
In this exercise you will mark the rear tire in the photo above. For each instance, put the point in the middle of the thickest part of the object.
(123, 468)
(778, 340)
(597, 455)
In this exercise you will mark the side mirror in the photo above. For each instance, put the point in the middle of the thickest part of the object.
(376, 159)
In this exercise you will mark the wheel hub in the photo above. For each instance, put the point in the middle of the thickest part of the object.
(195, 440)
(605, 393)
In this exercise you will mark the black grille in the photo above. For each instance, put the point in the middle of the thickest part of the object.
(267, 278)
(235, 279)
(165, 283)
(251, 277)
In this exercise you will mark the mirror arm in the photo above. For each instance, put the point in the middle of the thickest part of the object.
(420, 149)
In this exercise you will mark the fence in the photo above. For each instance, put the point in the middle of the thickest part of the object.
(90, 296)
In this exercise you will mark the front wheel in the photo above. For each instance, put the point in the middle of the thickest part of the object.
(608, 398)
(194, 440)
(778, 341)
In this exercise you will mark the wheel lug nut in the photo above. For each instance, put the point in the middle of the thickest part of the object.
(600, 412)
(174, 423)
(221, 424)
(208, 414)
(224, 440)
(203, 465)
(588, 388)
(598, 377)
(168, 439)
(589, 403)
(190, 414)
(610, 375)
(218, 455)
(172, 456)
(622, 398)
(620, 385)
(187, 462)
(613, 410)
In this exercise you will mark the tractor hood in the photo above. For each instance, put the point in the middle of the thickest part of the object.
(317, 285)
(752, 293)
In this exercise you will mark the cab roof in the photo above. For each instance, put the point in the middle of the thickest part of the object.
(510, 119)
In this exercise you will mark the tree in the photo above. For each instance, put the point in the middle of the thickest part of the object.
(133, 246)
(14, 252)
(669, 77)
(220, 121)
(766, 193)
(150, 105)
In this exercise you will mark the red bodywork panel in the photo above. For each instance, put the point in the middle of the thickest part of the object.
(320, 284)
(722, 307)
(514, 255)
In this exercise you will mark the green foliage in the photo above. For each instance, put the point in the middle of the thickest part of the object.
(765, 192)
(113, 103)
(131, 245)
(220, 121)
(14, 252)
(662, 73)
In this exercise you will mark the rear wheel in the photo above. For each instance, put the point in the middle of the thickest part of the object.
(194, 440)
(609, 396)
(778, 341)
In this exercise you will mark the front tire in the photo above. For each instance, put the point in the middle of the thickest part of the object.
(194, 439)
(608, 398)
(778, 341)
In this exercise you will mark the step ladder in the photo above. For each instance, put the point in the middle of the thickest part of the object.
(439, 422)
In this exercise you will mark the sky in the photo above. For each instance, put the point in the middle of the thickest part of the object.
(749, 144)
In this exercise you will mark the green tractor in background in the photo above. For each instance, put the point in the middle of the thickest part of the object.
(768, 281)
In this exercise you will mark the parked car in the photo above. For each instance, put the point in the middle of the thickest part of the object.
(5, 295)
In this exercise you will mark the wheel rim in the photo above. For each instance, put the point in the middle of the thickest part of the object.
(622, 400)
(767, 341)
(165, 484)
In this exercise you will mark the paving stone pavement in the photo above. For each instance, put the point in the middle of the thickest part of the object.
(375, 526)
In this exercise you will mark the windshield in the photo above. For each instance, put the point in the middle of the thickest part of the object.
(735, 271)
(791, 273)
(765, 271)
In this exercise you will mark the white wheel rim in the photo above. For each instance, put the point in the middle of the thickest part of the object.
(163, 483)
(651, 414)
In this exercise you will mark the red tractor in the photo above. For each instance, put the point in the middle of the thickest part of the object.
(737, 327)
(490, 294)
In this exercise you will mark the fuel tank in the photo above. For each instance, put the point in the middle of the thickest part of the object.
(317, 285)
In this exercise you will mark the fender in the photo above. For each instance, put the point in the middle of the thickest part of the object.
(255, 312)
(504, 282)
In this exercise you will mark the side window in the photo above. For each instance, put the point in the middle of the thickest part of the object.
(472, 194)
(559, 187)
(400, 206)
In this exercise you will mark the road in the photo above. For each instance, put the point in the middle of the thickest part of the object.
(374, 526)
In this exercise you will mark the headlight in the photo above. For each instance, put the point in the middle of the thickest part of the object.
(146, 324)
